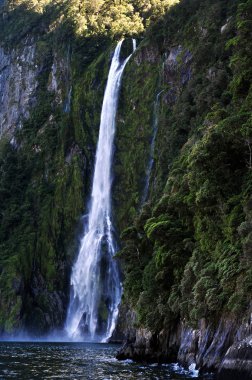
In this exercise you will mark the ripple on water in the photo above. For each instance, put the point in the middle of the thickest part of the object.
(73, 361)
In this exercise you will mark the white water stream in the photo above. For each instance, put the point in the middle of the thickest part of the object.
(95, 282)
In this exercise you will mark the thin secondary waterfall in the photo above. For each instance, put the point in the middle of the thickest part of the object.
(67, 103)
(153, 140)
(95, 281)
(67, 106)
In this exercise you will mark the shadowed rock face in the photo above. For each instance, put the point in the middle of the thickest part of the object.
(48, 307)
(237, 363)
(146, 346)
(18, 82)
(205, 346)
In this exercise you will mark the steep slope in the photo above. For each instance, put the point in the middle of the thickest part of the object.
(187, 253)
(182, 170)
(46, 160)
(54, 64)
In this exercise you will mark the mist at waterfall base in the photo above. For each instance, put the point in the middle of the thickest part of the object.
(95, 281)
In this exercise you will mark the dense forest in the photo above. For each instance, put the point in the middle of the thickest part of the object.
(184, 223)
(188, 252)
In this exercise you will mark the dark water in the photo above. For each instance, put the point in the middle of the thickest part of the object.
(77, 361)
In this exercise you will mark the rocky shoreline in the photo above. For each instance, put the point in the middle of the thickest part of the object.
(225, 349)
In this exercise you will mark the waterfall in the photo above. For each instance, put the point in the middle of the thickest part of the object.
(152, 149)
(95, 281)
(67, 105)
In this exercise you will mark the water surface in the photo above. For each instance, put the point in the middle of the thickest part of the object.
(77, 361)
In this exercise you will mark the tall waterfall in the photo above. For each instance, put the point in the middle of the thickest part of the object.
(95, 281)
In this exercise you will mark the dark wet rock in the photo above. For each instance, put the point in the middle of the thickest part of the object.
(74, 151)
(125, 329)
(188, 346)
(48, 308)
(17, 66)
(219, 341)
(171, 63)
(237, 363)
(177, 72)
(18, 285)
(205, 346)
(148, 54)
(150, 347)
(60, 74)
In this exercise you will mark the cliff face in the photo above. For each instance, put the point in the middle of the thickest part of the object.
(26, 299)
(182, 176)
(186, 252)
(18, 83)
(51, 87)
(223, 347)
(43, 171)
(237, 361)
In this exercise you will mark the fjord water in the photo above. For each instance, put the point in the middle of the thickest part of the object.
(95, 281)
(85, 361)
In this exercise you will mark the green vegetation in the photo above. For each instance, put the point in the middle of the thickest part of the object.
(186, 253)
(83, 18)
